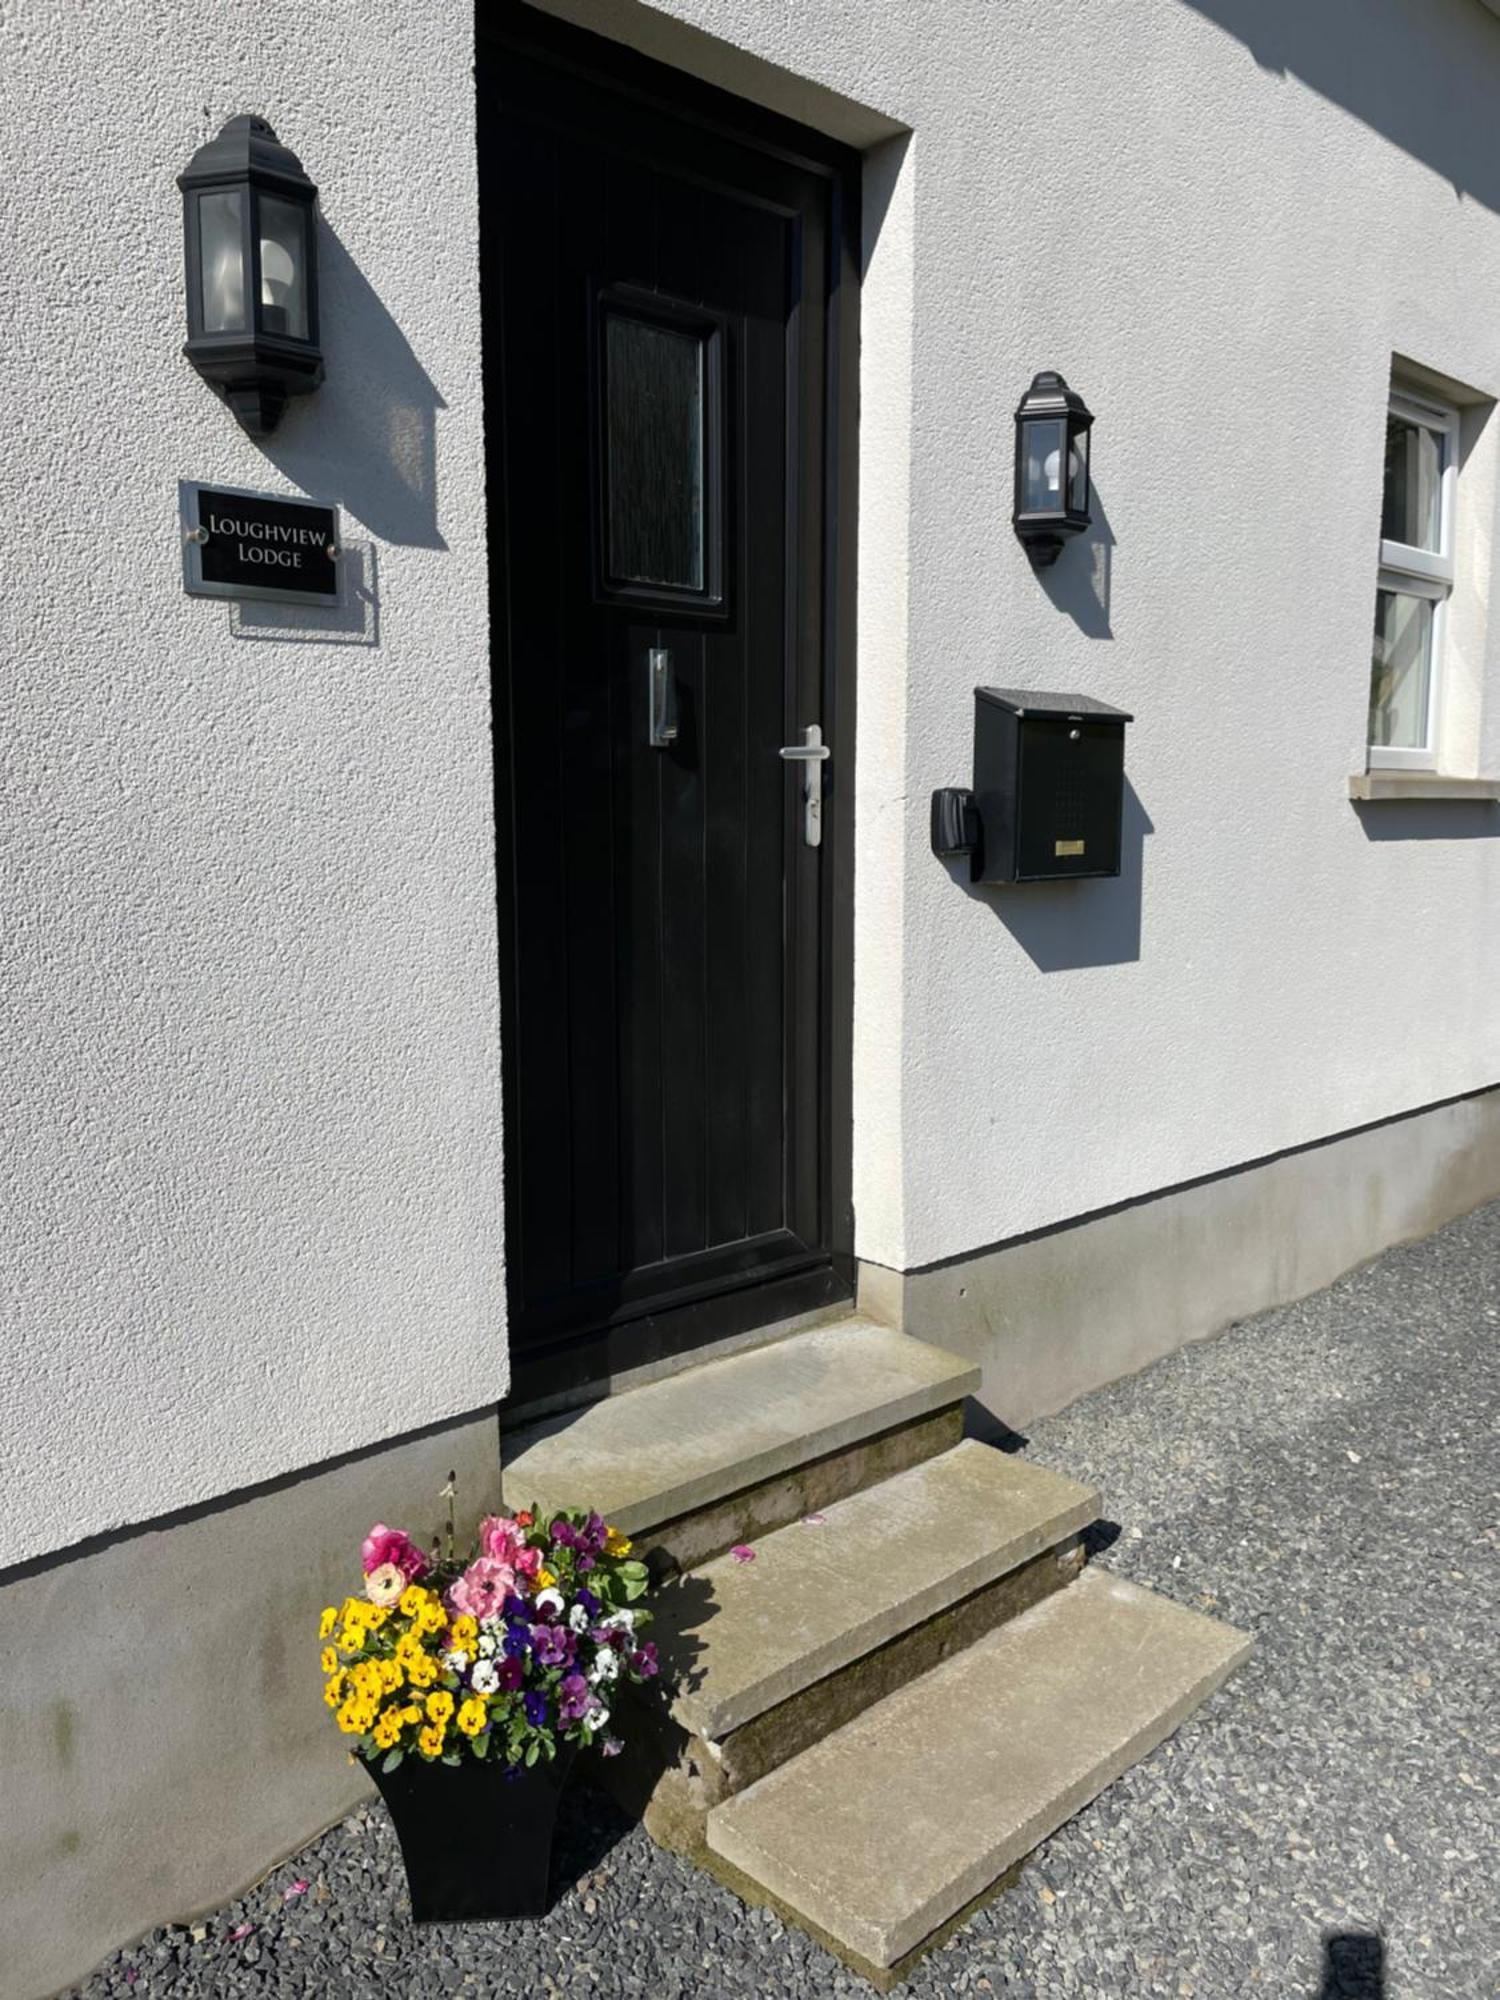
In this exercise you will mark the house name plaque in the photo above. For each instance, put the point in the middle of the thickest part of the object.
(239, 544)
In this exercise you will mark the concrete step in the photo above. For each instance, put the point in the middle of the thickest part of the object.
(819, 1597)
(878, 1837)
(730, 1450)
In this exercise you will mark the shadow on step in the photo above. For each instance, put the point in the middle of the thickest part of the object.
(1353, 1966)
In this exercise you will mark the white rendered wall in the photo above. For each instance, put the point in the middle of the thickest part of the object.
(249, 1050)
(1220, 221)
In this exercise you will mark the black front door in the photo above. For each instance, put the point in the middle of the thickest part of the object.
(661, 342)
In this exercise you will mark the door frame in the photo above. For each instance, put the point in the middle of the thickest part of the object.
(584, 1363)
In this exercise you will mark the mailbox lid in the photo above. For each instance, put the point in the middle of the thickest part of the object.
(1060, 707)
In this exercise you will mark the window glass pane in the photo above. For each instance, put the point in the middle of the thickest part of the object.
(1042, 442)
(283, 265)
(219, 250)
(654, 453)
(1413, 509)
(1401, 676)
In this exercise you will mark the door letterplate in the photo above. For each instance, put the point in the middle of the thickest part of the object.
(662, 698)
(812, 752)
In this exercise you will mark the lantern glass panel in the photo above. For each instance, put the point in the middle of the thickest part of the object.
(1041, 465)
(221, 253)
(283, 266)
(1078, 472)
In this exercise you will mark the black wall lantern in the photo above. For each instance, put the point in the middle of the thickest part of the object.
(250, 235)
(1052, 467)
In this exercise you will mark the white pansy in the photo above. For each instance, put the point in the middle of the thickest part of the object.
(456, 1661)
(578, 1618)
(607, 1665)
(548, 1600)
(622, 1620)
(487, 1645)
(486, 1678)
(596, 1718)
(491, 1624)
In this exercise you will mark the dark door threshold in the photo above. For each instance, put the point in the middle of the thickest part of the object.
(581, 1367)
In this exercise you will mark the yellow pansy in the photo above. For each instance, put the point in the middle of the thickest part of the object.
(375, 1616)
(412, 1599)
(471, 1716)
(366, 1677)
(390, 1676)
(388, 1728)
(545, 1579)
(327, 1619)
(430, 1742)
(333, 1693)
(432, 1617)
(328, 1660)
(349, 1720)
(439, 1705)
(411, 1713)
(422, 1671)
(465, 1631)
(616, 1544)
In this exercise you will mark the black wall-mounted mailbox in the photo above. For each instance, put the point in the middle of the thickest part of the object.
(1049, 785)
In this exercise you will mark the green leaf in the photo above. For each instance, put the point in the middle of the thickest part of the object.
(392, 1759)
(531, 1753)
(451, 1757)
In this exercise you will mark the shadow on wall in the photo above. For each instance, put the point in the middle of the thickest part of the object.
(1375, 59)
(1079, 582)
(1353, 1966)
(1429, 819)
(1063, 926)
(368, 437)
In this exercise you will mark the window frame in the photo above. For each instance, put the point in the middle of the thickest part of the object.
(1424, 573)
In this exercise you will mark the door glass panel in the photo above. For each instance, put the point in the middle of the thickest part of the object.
(654, 448)
(1413, 511)
(1401, 677)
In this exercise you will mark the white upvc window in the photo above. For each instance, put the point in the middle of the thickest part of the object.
(1415, 581)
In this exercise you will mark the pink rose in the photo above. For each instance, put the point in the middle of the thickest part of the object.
(528, 1561)
(483, 1588)
(500, 1537)
(389, 1545)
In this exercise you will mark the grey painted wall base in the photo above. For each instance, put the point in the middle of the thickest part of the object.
(1052, 1316)
(163, 1735)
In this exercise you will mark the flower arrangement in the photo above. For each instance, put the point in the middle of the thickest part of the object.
(502, 1654)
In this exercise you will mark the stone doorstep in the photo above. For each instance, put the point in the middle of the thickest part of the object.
(672, 1779)
(669, 1450)
(817, 1598)
(880, 1835)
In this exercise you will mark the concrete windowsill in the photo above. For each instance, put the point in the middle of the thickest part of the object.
(1370, 785)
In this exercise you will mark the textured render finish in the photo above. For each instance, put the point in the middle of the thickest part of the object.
(660, 1451)
(884, 1830)
(248, 1035)
(1051, 1319)
(818, 1596)
(1239, 217)
(185, 1746)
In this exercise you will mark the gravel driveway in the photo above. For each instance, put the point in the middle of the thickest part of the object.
(1324, 1475)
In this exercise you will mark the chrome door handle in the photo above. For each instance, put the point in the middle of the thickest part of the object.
(811, 751)
(661, 698)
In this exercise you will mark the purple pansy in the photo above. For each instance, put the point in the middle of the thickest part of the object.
(536, 1709)
(644, 1661)
(510, 1674)
(553, 1645)
(576, 1698)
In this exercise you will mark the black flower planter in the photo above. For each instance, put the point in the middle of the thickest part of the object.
(476, 1839)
